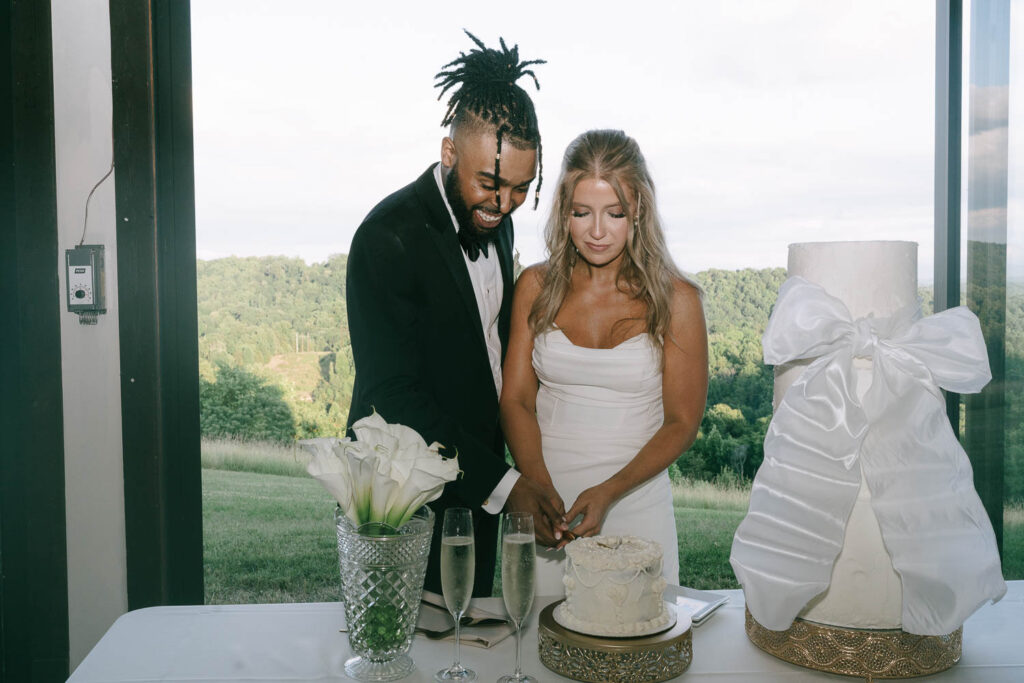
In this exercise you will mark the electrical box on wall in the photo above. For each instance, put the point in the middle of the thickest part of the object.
(85, 280)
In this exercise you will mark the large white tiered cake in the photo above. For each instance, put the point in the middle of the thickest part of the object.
(859, 450)
(613, 586)
(879, 279)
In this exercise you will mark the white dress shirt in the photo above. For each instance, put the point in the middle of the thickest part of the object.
(488, 287)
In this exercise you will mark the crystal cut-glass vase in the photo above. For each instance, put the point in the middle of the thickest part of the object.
(382, 571)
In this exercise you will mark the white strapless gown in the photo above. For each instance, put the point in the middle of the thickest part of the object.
(596, 409)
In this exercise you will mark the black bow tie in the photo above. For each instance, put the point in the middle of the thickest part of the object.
(472, 245)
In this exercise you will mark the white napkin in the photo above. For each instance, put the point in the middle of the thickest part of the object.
(480, 628)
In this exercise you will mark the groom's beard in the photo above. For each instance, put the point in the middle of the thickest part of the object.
(468, 232)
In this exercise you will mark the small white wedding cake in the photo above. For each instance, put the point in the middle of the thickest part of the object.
(613, 586)
(879, 279)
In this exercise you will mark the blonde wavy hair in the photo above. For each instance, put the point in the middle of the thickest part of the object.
(647, 271)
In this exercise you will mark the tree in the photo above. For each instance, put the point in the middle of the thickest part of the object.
(242, 405)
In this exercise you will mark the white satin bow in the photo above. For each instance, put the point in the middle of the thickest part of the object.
(922, 490)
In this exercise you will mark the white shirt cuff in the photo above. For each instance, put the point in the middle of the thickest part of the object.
(496, 501)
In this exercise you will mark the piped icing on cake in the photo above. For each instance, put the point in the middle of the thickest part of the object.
(613, 586)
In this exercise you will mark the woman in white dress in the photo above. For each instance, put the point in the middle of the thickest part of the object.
(606, 372)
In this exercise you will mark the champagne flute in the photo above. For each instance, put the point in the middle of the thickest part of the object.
(458, 564)
(518, 566)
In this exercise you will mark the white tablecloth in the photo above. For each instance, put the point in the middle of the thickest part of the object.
(301, 642)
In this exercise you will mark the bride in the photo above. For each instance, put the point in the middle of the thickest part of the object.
(606, 372)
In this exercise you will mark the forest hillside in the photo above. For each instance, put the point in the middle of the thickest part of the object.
(276, 362)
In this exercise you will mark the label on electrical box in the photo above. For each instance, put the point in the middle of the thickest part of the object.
(80, 285)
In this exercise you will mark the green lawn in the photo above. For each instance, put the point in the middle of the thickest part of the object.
(1013, 541)
(267, 538)
(705, 539)
(270, 538)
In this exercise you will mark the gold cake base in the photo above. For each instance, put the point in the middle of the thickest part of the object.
(647, 659)
(866, 653)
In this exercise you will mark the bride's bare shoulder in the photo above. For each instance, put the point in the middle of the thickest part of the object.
(687, 299)
(531, 280)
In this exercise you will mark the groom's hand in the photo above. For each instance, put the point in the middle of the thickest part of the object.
(546, 506)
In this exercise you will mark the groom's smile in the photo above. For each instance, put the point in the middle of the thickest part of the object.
(487, 219)
(478, 199)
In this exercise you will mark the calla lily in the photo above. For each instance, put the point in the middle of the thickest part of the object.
(331, 467)
(363, 465)
(424, 482)
(383, 490)
(385, 475)
(392, 441)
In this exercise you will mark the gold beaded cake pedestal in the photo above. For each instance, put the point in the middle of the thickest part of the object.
(866, 653)
(592, 659)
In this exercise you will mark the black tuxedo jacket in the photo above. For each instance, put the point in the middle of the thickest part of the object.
(419, 349)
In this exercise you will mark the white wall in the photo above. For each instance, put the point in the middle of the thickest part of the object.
(82, 99)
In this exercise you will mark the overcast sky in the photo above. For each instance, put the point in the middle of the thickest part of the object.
(764, 123)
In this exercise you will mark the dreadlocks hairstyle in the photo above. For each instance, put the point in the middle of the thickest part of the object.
(484, 83)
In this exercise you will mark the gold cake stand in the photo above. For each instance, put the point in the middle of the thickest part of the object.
(866, 653)
(647, 659)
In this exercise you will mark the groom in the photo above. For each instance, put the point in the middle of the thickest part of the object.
(429, 292)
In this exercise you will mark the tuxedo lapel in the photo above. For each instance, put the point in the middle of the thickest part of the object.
(442, 232)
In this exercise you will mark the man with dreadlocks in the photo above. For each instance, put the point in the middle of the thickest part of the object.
(429, 294)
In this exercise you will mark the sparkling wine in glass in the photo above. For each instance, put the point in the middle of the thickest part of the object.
(518, 567)
(458, 564)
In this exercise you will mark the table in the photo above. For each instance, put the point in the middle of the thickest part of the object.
(301, 642)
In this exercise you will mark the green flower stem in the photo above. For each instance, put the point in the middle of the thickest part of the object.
(382, 628)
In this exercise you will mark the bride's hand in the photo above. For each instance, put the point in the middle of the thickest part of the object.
(593, 504)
